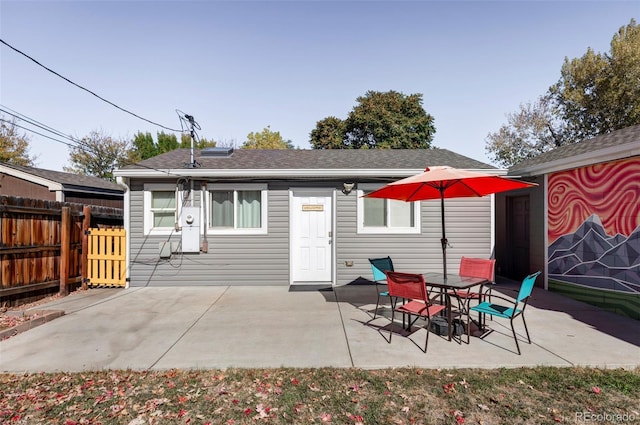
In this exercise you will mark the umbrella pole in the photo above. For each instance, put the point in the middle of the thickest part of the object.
(444, 237)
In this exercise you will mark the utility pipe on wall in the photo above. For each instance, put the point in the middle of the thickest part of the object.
(204, 221)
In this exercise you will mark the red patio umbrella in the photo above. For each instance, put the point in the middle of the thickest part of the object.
(446, 182)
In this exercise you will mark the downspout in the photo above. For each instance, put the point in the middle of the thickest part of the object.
(123, 181)
(203, 204)
(176, 222)
(191, 195)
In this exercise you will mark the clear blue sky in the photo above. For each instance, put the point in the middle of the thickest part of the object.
(240, 66)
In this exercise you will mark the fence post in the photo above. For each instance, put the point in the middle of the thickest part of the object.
(65, 249)
(84, 266)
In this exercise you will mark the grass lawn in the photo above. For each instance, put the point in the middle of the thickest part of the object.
(542, 395)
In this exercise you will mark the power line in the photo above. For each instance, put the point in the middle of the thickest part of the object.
(77, 144)
(38, 133)
(85, 89)
(36, 123)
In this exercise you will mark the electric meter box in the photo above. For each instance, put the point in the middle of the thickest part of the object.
(190, 224)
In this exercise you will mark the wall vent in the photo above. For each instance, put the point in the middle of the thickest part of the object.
(217, 152)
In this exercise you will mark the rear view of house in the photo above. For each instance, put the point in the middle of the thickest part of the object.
(290, 217)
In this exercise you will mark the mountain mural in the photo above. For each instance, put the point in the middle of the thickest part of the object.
(590, 257)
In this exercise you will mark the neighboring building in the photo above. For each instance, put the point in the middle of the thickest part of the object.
(585, 220)
(37, 183)
(290, 217)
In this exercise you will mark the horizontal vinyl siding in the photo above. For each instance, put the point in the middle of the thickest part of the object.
(468, 229)
(231, 259)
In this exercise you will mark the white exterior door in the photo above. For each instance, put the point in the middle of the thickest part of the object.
(311, 236)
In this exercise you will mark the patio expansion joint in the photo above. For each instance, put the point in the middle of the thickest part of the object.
(195, 322)
(344, 329)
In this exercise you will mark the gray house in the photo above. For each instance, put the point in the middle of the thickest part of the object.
(290, 217)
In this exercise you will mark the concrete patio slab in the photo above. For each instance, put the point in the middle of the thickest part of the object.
(249, 326)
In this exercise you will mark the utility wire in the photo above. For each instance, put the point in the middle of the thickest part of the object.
(76, 144)
(85, 148)
(79, 143)
(85, 89)
(38, 133)
(36, 123)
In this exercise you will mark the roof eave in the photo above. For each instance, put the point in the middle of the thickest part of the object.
(342, 172)
(50, 184)
(594, 157)
(92, 190)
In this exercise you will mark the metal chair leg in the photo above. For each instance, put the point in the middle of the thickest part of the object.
(393, 315)
(526, 329)
(426, 342)
(515, 337)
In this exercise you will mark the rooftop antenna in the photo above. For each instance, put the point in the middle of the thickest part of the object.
(193, 126)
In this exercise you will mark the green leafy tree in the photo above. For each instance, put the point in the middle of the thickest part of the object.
(328, 134)
(14, 146)
(596, 94)
(145, 147)
(166, 142)
(266, 139)
(600, 92)
(389, 120)
(201, 143)
(98, 155)
(383, 120)
(532, 130)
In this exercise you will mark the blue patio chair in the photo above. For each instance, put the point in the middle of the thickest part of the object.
(379, 267)
(513, 309)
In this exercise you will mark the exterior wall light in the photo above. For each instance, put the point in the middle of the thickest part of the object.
(347, 188)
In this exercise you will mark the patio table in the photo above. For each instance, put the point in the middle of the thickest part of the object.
(453, 283)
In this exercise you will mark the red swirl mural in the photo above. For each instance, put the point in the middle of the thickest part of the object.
(610, 190)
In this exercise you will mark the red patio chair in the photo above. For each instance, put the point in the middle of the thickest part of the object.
(412, 288)
(473, 267)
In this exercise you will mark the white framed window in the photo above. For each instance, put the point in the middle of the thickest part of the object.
(237, 209)
(377, 215)
(161, 208)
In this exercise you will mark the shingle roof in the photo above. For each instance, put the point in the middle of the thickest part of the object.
(625, 136)
(68, 179)
(288, 159)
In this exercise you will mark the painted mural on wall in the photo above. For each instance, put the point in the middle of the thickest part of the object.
(594, 226)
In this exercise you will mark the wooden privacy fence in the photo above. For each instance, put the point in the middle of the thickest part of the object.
(44, 247)
(106, 257)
